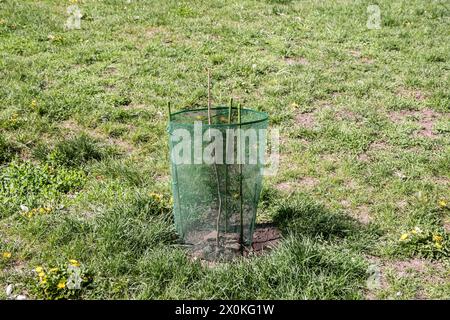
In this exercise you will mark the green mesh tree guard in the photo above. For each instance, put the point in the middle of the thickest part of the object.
(216, 187)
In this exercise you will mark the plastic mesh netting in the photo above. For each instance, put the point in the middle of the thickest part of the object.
(215, 201)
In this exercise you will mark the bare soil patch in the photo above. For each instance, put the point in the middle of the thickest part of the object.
(202, 245)
(362, 214)
(426, 119)
(357, 54)
(346, 115)
(74, 127)
(427, 270)
(291, 186)
(265, 237)
(285, 186)
(296, 61)
(306, 120)
(152, 31)
(374, 147)
(411, 93)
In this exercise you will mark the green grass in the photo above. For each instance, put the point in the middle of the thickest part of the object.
(363, 114)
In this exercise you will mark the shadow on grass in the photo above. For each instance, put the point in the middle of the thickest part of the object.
(302, 216)
(299, 215)
(320, 257)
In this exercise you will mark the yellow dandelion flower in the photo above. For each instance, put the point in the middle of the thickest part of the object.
(404, 236)
(33, 104)
(41, 210)
(41, 274)
(74, 263)
(442, 203)
(156, 196)
(6, 255)
(43, 281)
(38, 269)
(438, 245)
(61, 284)
(48, 209)
(437, 238)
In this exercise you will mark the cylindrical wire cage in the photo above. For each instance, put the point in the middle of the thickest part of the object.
(217, 161)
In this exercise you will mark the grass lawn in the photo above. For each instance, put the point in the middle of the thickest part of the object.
(362, 194)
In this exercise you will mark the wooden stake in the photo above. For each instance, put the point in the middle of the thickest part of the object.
(230, 107)
(241, 234)
(209, 97)
(170, 112)
(215, 164)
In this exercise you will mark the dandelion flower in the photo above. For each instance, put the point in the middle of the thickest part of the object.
(61, 284)
(437, 238)
(442, 203)
(38, 269)
(156, 196)
(6, 255)
(74, 263)
(404, 236)
(41, 210)
(438, 245)
(41, 274)
(33, 104)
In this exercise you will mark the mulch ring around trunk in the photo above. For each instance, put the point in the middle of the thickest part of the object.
(265, 238)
